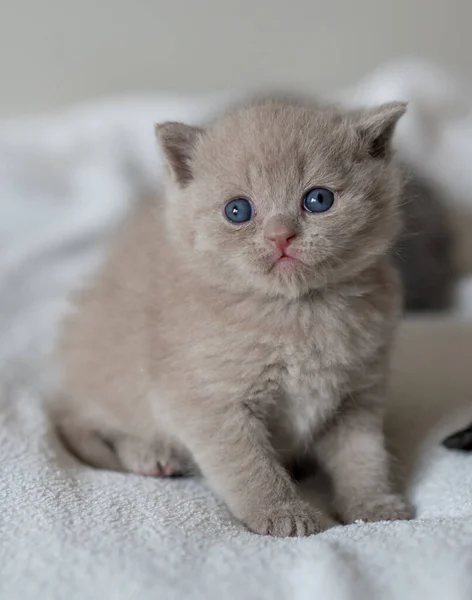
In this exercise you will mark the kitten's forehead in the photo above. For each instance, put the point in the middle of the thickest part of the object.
(276, 141)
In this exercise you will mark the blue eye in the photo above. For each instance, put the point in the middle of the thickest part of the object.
(318, 200)
(239, 210)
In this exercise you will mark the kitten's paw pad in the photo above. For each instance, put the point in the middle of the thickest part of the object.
(391, 507)
(290, 520)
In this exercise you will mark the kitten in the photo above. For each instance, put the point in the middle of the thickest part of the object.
(244, 320)
(423, 252)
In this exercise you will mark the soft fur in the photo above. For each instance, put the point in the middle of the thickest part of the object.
(195, 349)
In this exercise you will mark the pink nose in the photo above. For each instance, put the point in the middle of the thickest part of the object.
(279, 233)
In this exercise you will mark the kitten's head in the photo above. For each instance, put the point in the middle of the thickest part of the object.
(283, 197)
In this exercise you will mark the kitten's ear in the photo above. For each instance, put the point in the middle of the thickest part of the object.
(178, 143)
(377, 126)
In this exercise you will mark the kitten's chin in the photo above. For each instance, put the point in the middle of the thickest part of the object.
(293, 278)
(289, 277)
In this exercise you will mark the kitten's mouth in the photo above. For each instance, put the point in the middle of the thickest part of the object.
(285, 260)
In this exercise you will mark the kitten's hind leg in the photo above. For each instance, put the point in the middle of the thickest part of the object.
(122, 452)
(158, 459)
(88, 445)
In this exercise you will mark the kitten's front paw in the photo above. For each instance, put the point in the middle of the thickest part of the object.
(288, 520)
(391, 507)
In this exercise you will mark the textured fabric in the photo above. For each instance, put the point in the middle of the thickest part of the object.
(67, 531)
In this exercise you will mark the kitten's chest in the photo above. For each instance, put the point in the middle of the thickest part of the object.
(311, 363)
(294, 380)
(291, 364)
(310, 390)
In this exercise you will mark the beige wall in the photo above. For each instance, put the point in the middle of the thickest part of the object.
(56, 51)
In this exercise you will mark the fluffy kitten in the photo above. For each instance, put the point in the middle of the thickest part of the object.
(244, 320)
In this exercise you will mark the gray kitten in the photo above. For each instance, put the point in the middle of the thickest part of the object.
(244, 320)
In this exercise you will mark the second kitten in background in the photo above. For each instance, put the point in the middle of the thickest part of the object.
(424, 250)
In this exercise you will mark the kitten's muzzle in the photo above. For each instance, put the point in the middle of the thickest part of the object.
(279, 232)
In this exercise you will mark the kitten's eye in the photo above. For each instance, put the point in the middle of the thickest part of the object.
(239, 210)
(318, 200)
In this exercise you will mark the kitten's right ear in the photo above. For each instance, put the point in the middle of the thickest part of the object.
(178, 142)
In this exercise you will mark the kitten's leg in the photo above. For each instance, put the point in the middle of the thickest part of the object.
(353, 451)
(85, 443)
(158, 459)
(122, 452)
(233, 451)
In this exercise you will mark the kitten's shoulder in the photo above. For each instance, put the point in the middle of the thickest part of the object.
(377, 291)
(381, 290)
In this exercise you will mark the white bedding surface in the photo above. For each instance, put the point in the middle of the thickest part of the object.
(67, 531)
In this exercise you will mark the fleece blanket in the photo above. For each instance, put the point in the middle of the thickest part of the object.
(68, 531)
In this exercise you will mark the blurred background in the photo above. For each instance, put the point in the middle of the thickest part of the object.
(58, 51)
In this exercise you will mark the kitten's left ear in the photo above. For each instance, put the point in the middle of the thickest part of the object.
(178, 142)
(377, 126)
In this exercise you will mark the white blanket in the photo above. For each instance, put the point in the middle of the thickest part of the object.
(67, 531)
